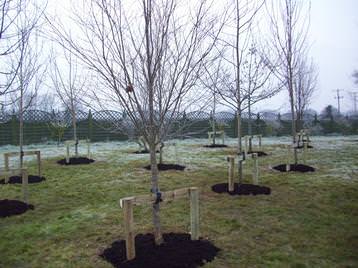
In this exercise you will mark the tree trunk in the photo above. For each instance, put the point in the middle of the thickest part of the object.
(74, 124)
(155, 189)
(249, 125)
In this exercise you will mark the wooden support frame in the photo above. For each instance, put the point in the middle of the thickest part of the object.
(25, 180)
(303, 137)
(68, 143)
(249, 138)
(128, 203)
(8, 155)
(231, 170)
(220, 133)
(255, 169)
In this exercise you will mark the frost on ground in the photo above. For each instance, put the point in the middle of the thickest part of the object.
(187, 152)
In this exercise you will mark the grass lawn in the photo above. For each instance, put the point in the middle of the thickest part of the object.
(309, 220)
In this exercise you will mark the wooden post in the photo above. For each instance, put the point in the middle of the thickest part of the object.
(223, 136)
(260, 144)
(255, 170)
(67, 153)
(127, 204)
(194, 212)
(288, 158)
(246, 145)
(304, 152)
(6, 159)
(231, 161)
(25, 181)
(88, 149)
(38, 153)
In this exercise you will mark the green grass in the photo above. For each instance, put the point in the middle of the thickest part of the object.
(309, 220)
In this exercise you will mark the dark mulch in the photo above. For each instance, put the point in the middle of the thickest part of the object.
(293, 167)
(143, 152)
(241, 189)
(177, 251)
(75, 161)
(13, 207)
(301, 147)
(163, 167)
(18, 179)
(259, 153)
(215, 146)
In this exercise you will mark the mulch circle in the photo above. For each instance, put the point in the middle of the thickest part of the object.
(13, 207)
(301, 147)
(259, 153)
(294, 167)
(143, 152)
(76, 161)
(216, 146)
(18, 179)
(163, 167)
(176, 252)
(241, 189)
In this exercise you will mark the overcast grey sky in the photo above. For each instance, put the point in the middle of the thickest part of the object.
(334, 49)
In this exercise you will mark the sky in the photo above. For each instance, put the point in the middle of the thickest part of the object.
(334, 49)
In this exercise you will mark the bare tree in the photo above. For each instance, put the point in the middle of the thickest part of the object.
(69, 82)
(149, 56)
(289, 26)
(26, 64)
(10, 11)
(233, 46)
(304, 86)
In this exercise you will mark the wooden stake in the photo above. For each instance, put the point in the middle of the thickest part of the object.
(260, 144)
(127, 204)
(6, 159)
(231, 167)
(246, 145)
(255, 170)
(288, 158)
(304, 152)
(67, 153)
(25, 182)
(194, 212)
(39, 163)
(88, 149)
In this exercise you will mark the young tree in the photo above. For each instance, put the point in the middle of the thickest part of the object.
(149, 56)
(26, 64)
(69, 83)
(289, 22)
(10, 11)
(304, 86)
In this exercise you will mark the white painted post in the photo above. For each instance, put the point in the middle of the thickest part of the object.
(194, 212)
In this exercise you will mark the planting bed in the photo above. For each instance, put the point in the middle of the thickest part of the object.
(216, 146)
(241, 189)
(18, 179)
(259, 153)
(178, 250)
(294, 167)
(76, 161)
(13, 207)
(163, 167)
(301, 147)
(143, 152)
